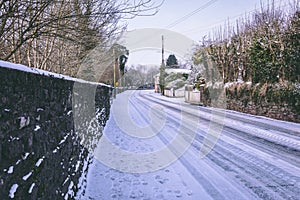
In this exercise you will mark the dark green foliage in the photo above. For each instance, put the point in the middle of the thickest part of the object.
(186, 76)
(172, 61)
(292, 49)
(263, 60)
(123, 59)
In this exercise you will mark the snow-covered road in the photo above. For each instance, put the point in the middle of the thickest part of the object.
(155, 147)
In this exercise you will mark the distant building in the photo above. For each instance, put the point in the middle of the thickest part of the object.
(156, 83)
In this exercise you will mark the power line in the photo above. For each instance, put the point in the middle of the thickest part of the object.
(185, 17)
(203, 28)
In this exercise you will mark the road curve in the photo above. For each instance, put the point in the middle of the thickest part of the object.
(250, 158)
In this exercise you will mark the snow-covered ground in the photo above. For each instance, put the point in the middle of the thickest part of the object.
(155, 147)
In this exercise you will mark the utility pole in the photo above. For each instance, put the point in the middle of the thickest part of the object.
(162, 50)
(114, 63)
(162, 68)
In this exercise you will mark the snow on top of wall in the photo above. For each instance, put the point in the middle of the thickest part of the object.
(24, 68)
(178, 71)
(229, 84)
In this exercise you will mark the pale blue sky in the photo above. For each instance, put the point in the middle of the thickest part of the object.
(196, 26)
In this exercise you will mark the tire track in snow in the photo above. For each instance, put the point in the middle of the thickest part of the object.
(285, 143)
(271, 173)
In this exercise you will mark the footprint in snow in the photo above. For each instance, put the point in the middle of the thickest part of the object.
(159, 196)
(157, 177)
(136, 182)
(114, 185)
(160, 179)
(178, 193)
(144, 182)
(190, 192)
(114, 196)
(133, 195)
(141, 194)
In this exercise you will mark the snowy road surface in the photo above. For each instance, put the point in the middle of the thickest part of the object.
(155, 147)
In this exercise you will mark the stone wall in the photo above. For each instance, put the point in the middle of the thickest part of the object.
(272, 110)
(48, 129)
(174, 92)
(193, 96)
(275, 101)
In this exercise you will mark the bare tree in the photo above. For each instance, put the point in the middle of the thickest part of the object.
(57, 35)
(263, 47)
